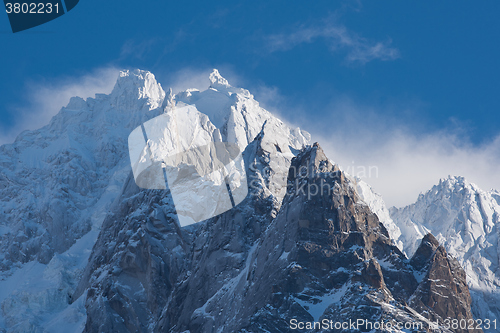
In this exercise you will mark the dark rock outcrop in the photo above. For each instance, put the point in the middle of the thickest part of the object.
(443, 293)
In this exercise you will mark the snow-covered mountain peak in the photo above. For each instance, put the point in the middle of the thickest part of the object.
(460, 188)
(137, 88)
(219, 84)
(217, 80)
(453, 180)
(453, 209)
(457, 204)
(235, 112)
(456, 184)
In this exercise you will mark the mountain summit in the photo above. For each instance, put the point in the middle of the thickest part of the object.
(217, 80)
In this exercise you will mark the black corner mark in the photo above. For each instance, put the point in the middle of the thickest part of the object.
(25, 15)
(228, 186)
(70, 4)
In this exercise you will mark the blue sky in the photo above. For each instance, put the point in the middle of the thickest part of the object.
(372, 76)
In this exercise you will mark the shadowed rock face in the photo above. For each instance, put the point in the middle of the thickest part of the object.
(444, 289)
(424, 253)
(320, 253)
(320, 257)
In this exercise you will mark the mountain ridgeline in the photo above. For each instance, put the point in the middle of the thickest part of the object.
(310, 249)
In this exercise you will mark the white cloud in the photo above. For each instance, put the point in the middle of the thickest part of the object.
(405, 164)
(337, 37)
(47, 98)
(396, 159)
(138, 49)
(187, 78)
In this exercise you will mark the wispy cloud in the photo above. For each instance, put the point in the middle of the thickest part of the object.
(138, 49)
(46, 98)
(197, 78)
(338, 38)
(188, 78)
(405, 164)
(405, 159)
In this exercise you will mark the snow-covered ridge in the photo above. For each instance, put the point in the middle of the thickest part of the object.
(56, 186)
(458, 210)
(377, 205)
(134, 86)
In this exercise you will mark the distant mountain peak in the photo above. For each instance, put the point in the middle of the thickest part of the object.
(136, 78)
(137, 85)
(217, 80)
(455, 182)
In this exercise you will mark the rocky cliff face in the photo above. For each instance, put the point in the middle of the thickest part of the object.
(323, 255)
(443, 287)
